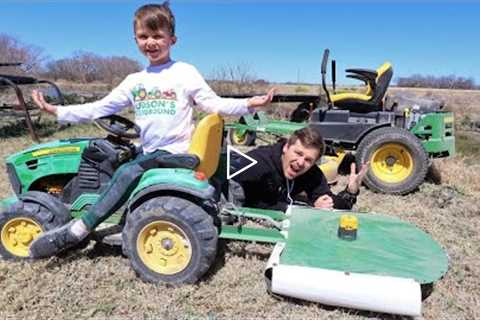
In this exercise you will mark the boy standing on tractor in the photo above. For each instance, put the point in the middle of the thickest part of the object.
(163, 96)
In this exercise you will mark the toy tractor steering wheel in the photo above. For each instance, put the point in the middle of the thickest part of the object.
(119, 126)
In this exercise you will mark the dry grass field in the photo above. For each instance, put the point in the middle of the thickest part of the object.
(97, 282)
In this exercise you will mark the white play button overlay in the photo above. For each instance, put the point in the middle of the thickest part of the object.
(231, 149)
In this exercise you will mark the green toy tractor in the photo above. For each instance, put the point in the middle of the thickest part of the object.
(170, 233)
(398, 136)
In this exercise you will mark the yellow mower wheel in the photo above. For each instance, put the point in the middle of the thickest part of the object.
(164, 247)
(398, 161)
(18, 234)
(392, 163)
(237, 138)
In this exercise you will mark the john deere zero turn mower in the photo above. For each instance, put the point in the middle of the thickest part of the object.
(398, 136)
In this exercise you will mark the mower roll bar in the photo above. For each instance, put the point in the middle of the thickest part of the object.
(334, 75)
(324, 72)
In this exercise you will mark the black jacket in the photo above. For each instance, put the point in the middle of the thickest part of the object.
(265, 186)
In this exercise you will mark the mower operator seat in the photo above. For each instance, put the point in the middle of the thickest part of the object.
(372, 100)
(207, 143)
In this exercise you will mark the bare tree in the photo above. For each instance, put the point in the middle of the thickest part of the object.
(235, 80)
(442, 82)
(88, 67)
(12, 50)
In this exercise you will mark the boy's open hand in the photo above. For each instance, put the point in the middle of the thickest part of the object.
(355, 179)
(39, 100)
(260, 101)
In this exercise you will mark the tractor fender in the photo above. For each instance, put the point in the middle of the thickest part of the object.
(164, 189)
(7, 202)
(54, 205)
(166, 180)
(369, 130)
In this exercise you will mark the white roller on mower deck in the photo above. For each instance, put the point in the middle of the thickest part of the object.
(338, 288)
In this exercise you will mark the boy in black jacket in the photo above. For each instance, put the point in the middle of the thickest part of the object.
(287, 169)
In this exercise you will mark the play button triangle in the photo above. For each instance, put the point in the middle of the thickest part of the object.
(231, 150)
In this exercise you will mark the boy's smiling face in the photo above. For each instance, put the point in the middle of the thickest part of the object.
(155, 45)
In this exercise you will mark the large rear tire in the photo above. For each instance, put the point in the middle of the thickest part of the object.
(170, 239)
(21, 223)
(398, 161)
(302, 113)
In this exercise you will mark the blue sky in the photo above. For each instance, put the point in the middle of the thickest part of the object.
(278, 41)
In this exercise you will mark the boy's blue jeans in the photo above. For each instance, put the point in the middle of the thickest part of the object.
(124, 180)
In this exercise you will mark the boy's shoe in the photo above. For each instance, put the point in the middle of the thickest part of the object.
(54, 241)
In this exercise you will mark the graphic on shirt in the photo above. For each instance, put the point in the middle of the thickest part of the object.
(154, 101)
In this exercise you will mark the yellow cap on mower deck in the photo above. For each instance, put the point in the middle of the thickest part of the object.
(348, 222)
(347, 227)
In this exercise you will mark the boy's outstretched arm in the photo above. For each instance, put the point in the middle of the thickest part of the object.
(39, 100)
(260, 101)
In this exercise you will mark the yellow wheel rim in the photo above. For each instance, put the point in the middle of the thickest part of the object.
(239, 138)
(17, 235)
(164, 248)
(392, 163)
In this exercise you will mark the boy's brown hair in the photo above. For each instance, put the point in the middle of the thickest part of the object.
(309, 137)
(155, 17)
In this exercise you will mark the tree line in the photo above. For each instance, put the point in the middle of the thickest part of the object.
(440, 82)
(82, 67)
(87, 67)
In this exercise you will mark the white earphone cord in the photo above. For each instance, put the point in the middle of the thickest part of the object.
(289, 189)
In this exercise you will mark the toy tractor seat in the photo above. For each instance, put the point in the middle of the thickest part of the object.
(206, 144)
(372, 100)
(204, 151)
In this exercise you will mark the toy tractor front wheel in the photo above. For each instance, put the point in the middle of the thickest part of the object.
(170, 239)
(398, 161)
(26, 219)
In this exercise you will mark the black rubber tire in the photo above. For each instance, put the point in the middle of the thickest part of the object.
(380, 137)
(47, 211)
(197, 225)
(248, 140)
(301, 113)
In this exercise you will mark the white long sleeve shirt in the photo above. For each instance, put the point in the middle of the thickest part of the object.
(163, 97)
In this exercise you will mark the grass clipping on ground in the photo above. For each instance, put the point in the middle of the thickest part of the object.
(97, 282)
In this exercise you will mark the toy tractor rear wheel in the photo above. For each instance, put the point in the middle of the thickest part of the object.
(25, 220)
(398, 161)
(238, 138)
(170, 239)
